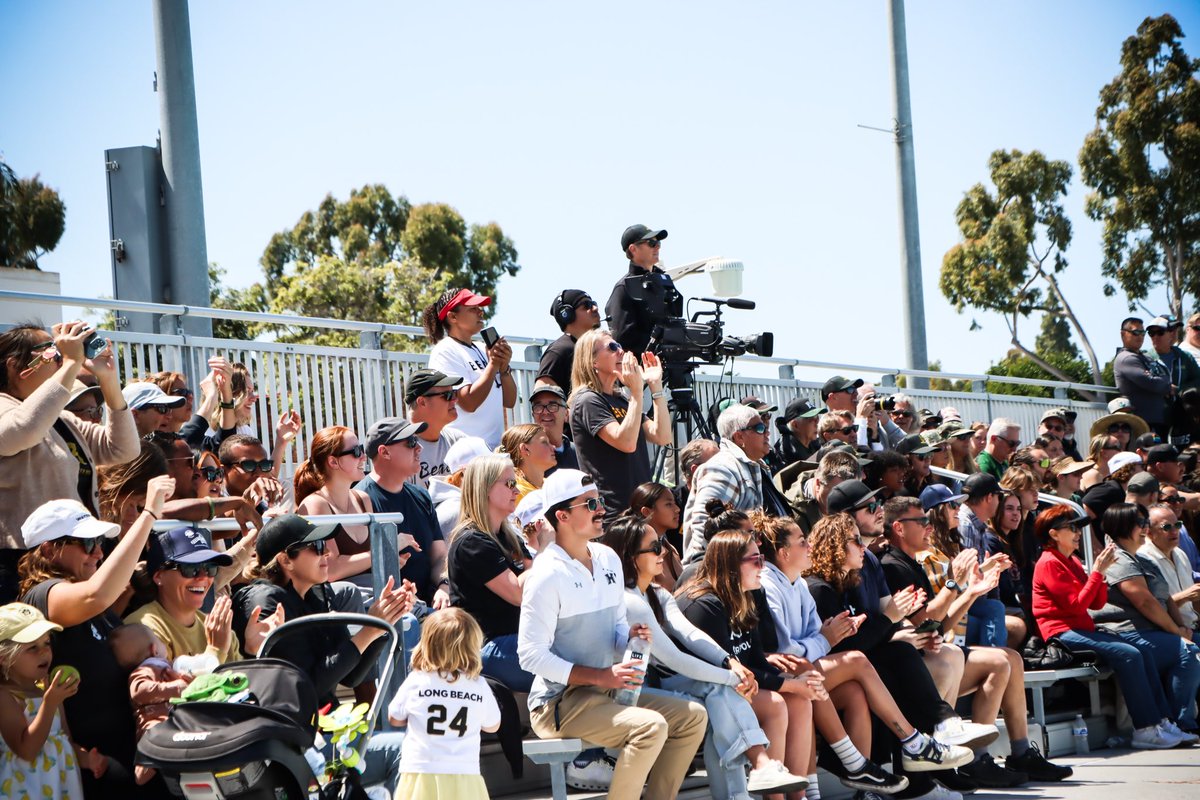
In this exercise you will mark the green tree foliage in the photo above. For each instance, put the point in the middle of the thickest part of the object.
(1012, 248)
(374, 257)
(32, 219)
(1142, 162)
(1055, 335)
(1017, 365)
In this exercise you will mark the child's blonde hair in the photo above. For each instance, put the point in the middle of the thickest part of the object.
(451, 643)
(9, 650)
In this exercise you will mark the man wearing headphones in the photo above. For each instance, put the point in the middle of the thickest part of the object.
(576, 313)
(645, 295)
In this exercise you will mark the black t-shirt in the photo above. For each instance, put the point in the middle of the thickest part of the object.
(616, 474)
(476, 558)
(566, 458)
(556, 362)
(709, 614)
(902, 571)
(1100, 497)
(420, 522)
(99, 715)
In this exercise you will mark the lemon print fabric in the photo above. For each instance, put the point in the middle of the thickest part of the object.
(52, 774)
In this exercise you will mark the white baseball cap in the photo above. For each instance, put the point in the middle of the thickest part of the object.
(565, 484)
(530, 508)
(1119, 404)
(464, 451)
(143, 393)
(58, 519)
(1123, 459)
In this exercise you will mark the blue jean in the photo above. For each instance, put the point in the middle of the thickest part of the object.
(381, 760)
(500, 663)
(732, 730)
(1178, 661)
(1135, 670)
(985, 623)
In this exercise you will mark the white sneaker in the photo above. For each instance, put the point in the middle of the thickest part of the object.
(939, 792)
(957, 730)
(774, 777)
(1178, 733)
(936, 755)
(1153, 737)
(595, 777)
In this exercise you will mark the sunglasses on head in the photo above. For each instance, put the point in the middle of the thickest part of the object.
(317, 547)
(758, 427)
(189, 571)
(613, 347)
(592, 504)
(212, 473)
(264, 466)
(89, 545)
(358, 451)
(447, 395)
(655, 547)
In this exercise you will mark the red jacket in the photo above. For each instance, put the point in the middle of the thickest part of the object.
(1063, 593)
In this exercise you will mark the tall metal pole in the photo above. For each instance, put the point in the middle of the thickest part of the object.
(183, 194)
(910, 239)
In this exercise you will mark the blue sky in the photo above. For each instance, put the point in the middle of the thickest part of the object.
(731, 125)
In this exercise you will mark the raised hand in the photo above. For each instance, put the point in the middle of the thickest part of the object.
(218, 625)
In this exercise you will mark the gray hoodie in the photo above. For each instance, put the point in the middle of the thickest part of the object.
(1145, 382)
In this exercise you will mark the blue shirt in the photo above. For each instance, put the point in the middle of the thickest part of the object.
(873, 585)
(1188, 546)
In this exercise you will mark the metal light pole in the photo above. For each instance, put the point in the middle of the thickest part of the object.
(910, 239)
(183, 195)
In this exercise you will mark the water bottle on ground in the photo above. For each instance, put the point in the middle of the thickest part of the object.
(1079, 732)
(639, 651)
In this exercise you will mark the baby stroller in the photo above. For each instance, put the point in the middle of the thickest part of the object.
(254, 750)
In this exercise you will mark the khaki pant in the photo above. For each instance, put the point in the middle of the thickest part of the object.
(658, 738)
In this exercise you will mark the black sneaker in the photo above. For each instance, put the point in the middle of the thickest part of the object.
(874, 778)
(1035, 765)
(955, 781)
(990, 775)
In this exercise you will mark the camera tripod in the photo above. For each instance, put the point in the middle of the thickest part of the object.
(685, 413)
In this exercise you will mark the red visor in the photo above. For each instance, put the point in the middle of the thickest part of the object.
(465, 297)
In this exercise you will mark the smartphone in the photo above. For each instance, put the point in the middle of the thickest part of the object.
(928, 626)
(94, 344)
(490, 337)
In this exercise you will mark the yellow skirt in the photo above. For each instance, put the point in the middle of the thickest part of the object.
(427, 786)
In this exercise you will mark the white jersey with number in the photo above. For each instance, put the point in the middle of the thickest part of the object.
(444, 720)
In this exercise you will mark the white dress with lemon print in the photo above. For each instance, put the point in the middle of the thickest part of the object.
(53, 773)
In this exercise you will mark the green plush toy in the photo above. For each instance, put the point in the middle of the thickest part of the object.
(216, 687)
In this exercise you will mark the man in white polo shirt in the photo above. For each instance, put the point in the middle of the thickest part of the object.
(573, 633)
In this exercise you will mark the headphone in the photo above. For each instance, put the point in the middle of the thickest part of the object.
(564, 312)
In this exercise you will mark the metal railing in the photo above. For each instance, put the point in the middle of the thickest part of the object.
(356, 386)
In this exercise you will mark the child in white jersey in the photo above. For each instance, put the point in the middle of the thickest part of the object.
(445, 704)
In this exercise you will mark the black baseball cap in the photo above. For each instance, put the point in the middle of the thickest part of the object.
(1161, 453)
(839, 383)
(547, 388)
(287, 531)
(914, 445)
(981, 484)
(848, 496)
(639, 233)
(1147, 441)
(389, 430)
(800, 408)
(424, 380)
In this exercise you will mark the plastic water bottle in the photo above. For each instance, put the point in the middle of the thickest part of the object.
(638, 650)
(1079, 733)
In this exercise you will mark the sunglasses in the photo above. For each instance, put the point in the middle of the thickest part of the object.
(1044, 463)
(1142, 522)
(921, 456)
(182, 393)
(547, 408)
(871, 507)
(358, 451)
(613, 347)
(953, 503)
(1120, 427)
(587, 303)
(922, 521)
(410, 442)
(1155, 331)
(1055, 428)
(759, 427)
(1136, 331)
(317, 547)
(901, 413)
(189, 571)
(1013, 443)
(92, 412)
(264, 466)
(1110, 447)
(1194, 327)
(756, 559)
(46, 351)
(849, 429)
(655, 547)
(447, 395)
(89, 545)
(1073, 527)
(212, 473)
(158, 407)
(652, 243)
(1173, 500)
(1170, 526)
(511, 483)
(592, 504)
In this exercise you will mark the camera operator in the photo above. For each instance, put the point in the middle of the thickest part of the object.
(576, 313)
(632, 322)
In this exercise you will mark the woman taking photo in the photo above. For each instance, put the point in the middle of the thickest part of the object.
(719, 602)
(324, 485)
(1062, 596)
(532, 455)
(66, 576)
(705, 672)
(488, 387)
(655, 505)
(1140, 610)
(487, 565)
(608, 425)
(46, 452)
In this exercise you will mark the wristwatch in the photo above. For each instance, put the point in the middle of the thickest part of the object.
(953, 584)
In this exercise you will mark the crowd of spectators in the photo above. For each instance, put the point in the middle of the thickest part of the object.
(847, 583)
